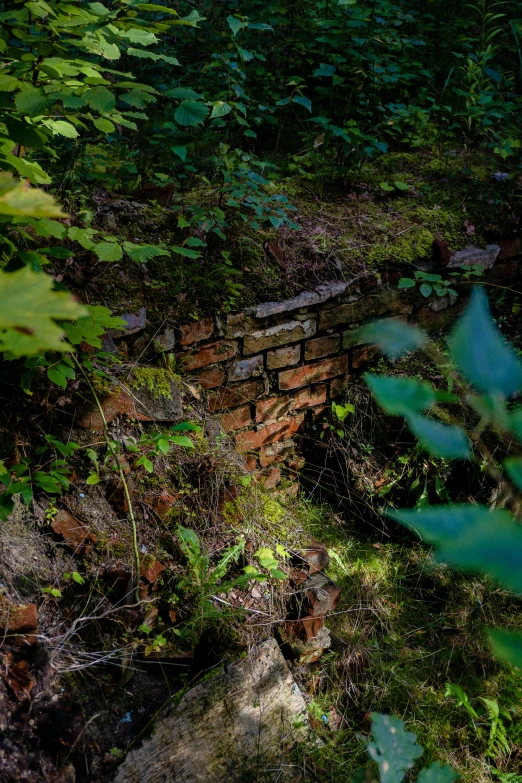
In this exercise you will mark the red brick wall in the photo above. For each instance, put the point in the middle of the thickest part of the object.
(265, 368)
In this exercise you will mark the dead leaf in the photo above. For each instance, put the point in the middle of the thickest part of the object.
(17, 676)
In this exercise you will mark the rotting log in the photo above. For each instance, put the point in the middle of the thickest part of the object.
(237, 726)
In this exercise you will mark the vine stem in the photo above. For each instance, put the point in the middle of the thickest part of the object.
(126, 492)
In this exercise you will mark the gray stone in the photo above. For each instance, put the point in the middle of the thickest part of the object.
(158, 408)
(108, 345)
(472, 255)
(246, 368)
(135, 323)
(319, 295)
(165, 340)
(237, 726)
(281, 334)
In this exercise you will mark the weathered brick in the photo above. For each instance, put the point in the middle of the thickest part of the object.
(245, 368)
(236, 419)
(362, 356)
(209, 354)
(283, 357)
(270, 477)
(358, 310)
(276, 452)
(197, 331)
(274, 407)
(250, 462)
(235, 395)
(211, 377)
(307, 398)
(311, 373)
(270, 433)
(321, 346)
(281, 334)
(338, 386)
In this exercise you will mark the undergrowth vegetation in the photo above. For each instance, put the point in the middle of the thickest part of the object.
(149, 155)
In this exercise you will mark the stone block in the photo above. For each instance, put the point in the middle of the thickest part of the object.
(321, 346)
(77, 536)
(212, 353)
(270, 477)
(312, 395)
(135, 322)
(306, 299)
(269, 433)
(245, 368)
(197, 331)
(238, 394)
(283, 357)
(236, 419)
(274, 407)
(472, 255)
(281, 334)
(313, 373)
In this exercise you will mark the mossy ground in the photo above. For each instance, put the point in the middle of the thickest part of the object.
(344, 227)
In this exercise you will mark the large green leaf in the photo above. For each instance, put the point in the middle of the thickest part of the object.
(513, 467)
(480, 351)
(191, 113)
(143, 253)
(444, 441)
(394, 749)
(393, 337)
(22, 133)
(108, 251)
(436, 773)
(19, 199)
(400, 396)
(100, 99)
(507, 645)
(91, 327)
(33, 101)
(29, 310)
(442, 524)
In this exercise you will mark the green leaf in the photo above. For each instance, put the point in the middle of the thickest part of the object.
(163, 445)
(103, 125)
(20, 199)
(394, 749)
(400, 185)
(513, 467)
(143, 253)
(436, 773)
(444, 441)
(78, 578)
(400, 396)
(406, 282)
(441, 524)
(186, 426)
(277, 574)
(108, 251)
(61, 128)
(393, 337)
(185, 251)
(93, 478)
(33, 101)
(220, 109)
(6, 507)
(426, 289)
(181, 152)
(303, 101)
(91, 327)
(236, 25)
(324, 70)
(182, 94)
(181, 440)
(388, 189)
(191, 113)
(480, 351)
(22, 133)
(151, 55)
(29, 310)
(55, 376)
(507, 645)
(100, 99)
